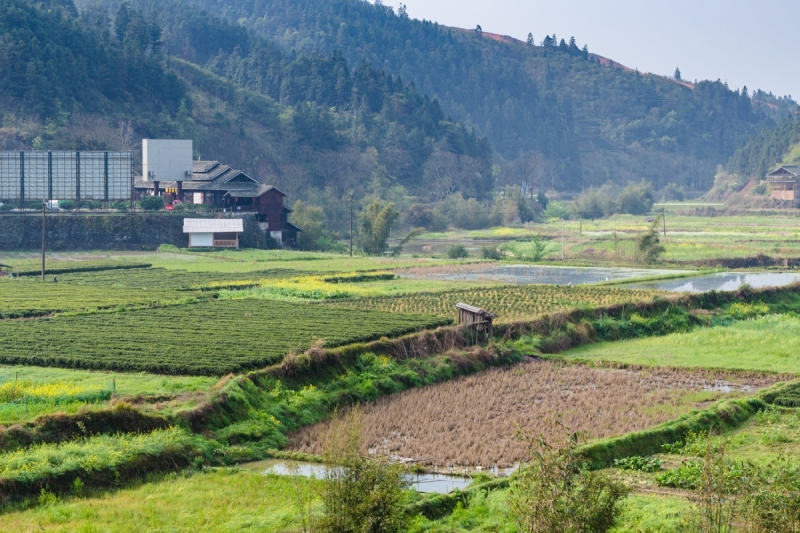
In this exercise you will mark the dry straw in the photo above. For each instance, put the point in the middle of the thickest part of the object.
(472, 421)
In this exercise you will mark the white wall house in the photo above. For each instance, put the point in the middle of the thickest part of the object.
(213, 232)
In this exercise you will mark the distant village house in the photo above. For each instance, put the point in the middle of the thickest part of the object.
(784, 183)
(213, 232)
(230, 190)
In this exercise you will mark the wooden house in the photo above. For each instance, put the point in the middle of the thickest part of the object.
(480, 319)
(784, 183)
(229, 190)
(213, 232)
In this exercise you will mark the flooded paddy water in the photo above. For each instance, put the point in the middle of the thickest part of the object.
(681, 280)
(421, 482)
(724, 281)
(529, 274)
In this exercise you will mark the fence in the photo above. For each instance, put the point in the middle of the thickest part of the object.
(79, 176)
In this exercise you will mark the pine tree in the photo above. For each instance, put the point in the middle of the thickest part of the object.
(479, 30)
(678, 74)
(530, 39)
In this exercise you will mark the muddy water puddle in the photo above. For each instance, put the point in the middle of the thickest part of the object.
(423, 482)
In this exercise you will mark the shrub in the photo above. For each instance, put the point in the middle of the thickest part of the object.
(422, 216)
(67, 205)
(121, 205)
(741, 310)
(557, 491)
(457, 251)
(465, 214)
(95, 204)
(152, 203)
(534, 250)
(649, 244)
(672, 192)
(491, 253)
(641, 464)
(360, 493)
(636, 198)
(556, 210)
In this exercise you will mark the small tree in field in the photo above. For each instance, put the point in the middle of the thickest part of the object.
(376, 221)
(649, 244)
(557, 492)
(360, 494)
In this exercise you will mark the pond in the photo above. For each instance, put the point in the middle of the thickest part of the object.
(725, 281)
(438, 483)
(528, 274)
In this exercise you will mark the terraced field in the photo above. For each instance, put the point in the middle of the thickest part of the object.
(511, 303)
(208, 338)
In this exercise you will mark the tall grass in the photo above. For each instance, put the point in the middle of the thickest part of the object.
(44, 462)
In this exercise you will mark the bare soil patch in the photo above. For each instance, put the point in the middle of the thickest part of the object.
(472, 421)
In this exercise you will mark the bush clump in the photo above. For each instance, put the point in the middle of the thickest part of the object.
(457, 251)
(638, 463)
(152, 203)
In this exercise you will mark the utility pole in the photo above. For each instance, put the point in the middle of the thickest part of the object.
(562, 239)
(580, 224)
(351, 224)
(44, 233)
(664, 220)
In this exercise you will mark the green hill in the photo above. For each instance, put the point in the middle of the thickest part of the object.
(308, 124)
(768, 149)
(591, 123)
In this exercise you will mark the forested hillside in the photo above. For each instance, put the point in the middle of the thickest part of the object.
(556, 117)
(780, 145)
(311, 125)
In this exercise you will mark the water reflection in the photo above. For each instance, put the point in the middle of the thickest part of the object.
(438, 483)
(529, 274)
(727, 281)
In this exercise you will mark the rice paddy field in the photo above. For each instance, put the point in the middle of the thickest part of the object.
(137, 363)
(514, 303)
(473, 421)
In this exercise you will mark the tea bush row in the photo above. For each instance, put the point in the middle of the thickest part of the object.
(511, 303)
(27, 298)
(207, 338)
(162, 278)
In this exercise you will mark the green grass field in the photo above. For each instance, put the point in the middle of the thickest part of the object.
(220, 500)
(766, 344)
(114, 321)
(689, 238)
(235, 500)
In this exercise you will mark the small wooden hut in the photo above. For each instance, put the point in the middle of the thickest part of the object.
(480, 319)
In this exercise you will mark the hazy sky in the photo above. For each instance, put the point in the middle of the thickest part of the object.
(743, 42)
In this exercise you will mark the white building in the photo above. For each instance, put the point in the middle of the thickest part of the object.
(213, 232)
